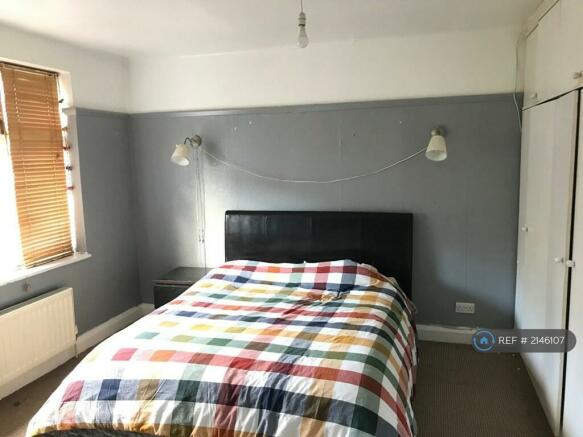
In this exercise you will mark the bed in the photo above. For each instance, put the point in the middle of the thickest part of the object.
(302, 332)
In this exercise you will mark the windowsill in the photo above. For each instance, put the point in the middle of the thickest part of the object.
(21, 274)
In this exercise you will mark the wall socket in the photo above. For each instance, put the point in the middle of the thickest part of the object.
(465, 307)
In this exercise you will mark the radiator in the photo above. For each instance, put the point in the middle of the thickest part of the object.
(36, 336)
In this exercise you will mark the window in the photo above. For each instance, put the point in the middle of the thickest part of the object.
(35, 219)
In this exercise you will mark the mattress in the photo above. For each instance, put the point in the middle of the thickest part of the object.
(252, 349)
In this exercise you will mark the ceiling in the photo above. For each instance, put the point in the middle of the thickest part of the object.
(186, 27)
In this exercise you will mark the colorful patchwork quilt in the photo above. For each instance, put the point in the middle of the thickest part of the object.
(254, 349)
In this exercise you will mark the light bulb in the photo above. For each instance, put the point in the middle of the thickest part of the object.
(303, 39)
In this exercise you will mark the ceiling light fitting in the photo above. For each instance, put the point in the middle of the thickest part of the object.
(303, 39)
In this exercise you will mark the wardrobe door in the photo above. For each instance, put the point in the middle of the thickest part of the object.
(529, 128)
(534, 214)
(559, 241)
(573, 404)
(561, 207)
(541, 301)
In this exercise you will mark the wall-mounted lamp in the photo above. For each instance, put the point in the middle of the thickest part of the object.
(436, 149)
(181, 155)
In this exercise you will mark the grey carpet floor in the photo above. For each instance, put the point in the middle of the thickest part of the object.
(459, 392)
(17, 409)
(464, 393)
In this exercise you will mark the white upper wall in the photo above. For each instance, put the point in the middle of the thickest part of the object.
(98, 80)
(444, 64)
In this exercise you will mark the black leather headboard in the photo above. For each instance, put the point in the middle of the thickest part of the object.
(381, 239)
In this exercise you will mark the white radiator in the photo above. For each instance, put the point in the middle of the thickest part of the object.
(36, 336)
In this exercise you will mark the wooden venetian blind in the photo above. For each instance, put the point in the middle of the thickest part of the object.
(36, 147)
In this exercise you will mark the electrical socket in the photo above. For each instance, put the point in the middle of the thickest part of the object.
(465, 307)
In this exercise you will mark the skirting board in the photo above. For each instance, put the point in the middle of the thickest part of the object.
(107, 329)
(36, 372)
(445, 334)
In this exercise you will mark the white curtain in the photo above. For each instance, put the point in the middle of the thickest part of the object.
(10, 249)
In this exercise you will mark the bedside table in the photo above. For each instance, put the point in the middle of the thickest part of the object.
(175, 282)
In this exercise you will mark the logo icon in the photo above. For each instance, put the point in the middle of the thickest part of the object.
(483, 340)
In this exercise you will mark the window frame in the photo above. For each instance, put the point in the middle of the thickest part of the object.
(78, 232)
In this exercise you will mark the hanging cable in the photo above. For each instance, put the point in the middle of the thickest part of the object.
(310, 181)
(516, 70)
(203, 209)
(200, 216)
(435, 151)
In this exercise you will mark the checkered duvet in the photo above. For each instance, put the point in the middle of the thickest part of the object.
(254, 349)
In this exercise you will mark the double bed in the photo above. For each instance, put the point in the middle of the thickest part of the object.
(304, 331)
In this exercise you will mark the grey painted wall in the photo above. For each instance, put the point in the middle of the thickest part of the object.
(107, 283)
(465, 209)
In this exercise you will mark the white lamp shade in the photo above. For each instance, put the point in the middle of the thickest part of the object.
(437, 149)
(181, 155)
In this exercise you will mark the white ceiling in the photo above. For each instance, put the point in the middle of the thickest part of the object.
(183, 27)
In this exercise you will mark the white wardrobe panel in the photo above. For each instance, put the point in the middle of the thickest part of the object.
(530, 70)
(561, 207)
(534, 213)
(549, 56)
(544, 370)
(559, 240)
(554, 53)
(573, 409)
(572, 41)
(522, 297)
(546, 205)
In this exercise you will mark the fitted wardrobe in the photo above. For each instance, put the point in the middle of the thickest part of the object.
(549, 278)
(548, 285)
